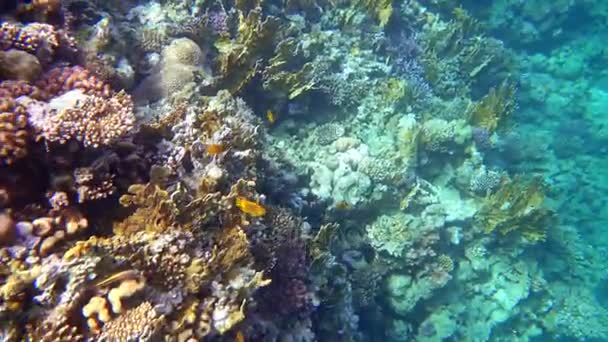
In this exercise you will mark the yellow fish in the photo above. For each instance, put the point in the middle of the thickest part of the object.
(215, 148)
(270, 116)
(239, 337)
(250, 207)
(342, 205)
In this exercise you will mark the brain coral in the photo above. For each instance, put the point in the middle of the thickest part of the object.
(183, 51)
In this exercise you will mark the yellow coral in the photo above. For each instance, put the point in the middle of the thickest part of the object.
(294, 83)
(517, 206)
(125, 290)
(493, 108)
(239, 58)
(155, 210)
(381, 10)
(13, 290)
(97, 307)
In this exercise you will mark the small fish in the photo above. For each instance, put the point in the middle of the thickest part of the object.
(270, 116)
(250, 207)
(239, 337)
(342, 205)
(215, 148)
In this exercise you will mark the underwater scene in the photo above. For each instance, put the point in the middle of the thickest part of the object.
(303, 170)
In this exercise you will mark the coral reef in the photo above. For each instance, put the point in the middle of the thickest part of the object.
(295, 171)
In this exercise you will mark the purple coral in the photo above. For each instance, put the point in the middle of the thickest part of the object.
(218, 22)
(406, 50)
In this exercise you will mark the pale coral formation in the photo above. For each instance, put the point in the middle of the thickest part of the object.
(183, 51)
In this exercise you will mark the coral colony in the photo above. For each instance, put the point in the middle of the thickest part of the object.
(361, 170)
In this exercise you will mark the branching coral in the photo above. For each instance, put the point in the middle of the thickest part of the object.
(154, 210)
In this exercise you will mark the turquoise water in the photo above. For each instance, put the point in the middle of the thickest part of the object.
(296, 170)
